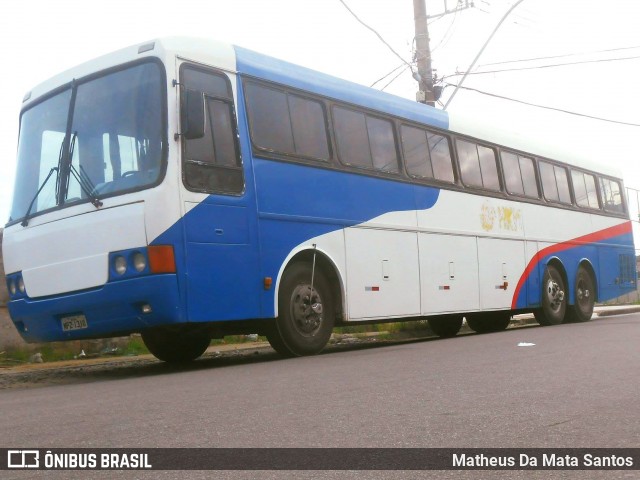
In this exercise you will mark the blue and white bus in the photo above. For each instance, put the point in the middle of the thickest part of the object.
(187, 189)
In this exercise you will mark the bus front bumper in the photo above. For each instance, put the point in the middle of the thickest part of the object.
(115, 309)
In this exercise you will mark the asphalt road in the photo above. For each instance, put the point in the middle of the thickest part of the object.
(576, 387)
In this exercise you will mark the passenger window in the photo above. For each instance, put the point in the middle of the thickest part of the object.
(528, 171)
(286, 123)
(440, 157)
(584, 188)
(563, 184)
(611, 195)
(269, 118)
(478, 165)
(512, 175)
(309, 127)
(519, 174)
(416, 152)
(426, 154)
(212, 162)
(352, 138)
(365, 141)
(555, 183)
(383, 145)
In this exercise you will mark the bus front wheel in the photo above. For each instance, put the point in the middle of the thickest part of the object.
(306, 312)
(554, 298)
(177, 344)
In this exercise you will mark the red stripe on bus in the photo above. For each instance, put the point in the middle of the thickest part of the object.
(598, 236)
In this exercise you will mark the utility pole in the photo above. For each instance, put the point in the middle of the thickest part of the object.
(424, 76)
(423, 54)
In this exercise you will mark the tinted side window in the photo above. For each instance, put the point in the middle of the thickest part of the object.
(212, 163)
(584, 188)
(563, 184)
(383, 145)
(309, 127)
(478, 165)
(416, 152)
(351, 137)
(548, 178)
(528, 170)
(426, 154)
(512, 174)
(611, 195)
(469, 163)
(286, 123)
(519, 174)
(365, 141)
(555, 183)
(269, 118)
(440, 157)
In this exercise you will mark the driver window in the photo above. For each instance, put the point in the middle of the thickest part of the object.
(212, 163)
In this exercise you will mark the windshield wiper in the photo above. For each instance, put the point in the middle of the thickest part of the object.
(83, 179)
(25, 220)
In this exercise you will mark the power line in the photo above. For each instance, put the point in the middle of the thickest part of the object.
(558, 56)
(390, 73)
(376, 33)
(544, 106)
(444, 37)
(394, 78)
(537, 67)
(475, 60)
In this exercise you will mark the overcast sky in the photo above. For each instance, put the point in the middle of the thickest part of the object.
(41, 39)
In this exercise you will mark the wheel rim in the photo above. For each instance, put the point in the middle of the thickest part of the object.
(306, 310)
(583, 295)
(555, 295)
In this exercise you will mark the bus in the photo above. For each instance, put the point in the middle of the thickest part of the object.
(187, 189)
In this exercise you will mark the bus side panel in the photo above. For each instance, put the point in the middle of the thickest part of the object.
(326, 201)
(449, 273)
(532, 288)
(617, 272)
(222, 261)
(500, 265)
(610, 252)
(383, 273)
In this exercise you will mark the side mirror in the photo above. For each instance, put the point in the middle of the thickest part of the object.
(192, 114)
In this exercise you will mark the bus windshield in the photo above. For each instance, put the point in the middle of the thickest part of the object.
(95, 139)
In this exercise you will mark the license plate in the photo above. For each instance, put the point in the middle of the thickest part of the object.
(74, 322)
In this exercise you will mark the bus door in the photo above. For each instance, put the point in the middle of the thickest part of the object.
(221, 252)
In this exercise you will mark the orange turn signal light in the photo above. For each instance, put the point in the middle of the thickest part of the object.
(161, 259)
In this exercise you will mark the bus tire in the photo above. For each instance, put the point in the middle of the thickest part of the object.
(582, 310)
(446, 327)
(489, 322)
(554, 298)
(173, 345)
(306, 314)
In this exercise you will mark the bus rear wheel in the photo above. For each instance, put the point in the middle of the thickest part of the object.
(446, 327)
(554, 298)
(585, 298)
(306, 312)
(176, 344)
(488, 322)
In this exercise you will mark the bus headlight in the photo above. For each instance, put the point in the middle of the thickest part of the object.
(120, 265)
(139, 262)
(12, 287)
(21, 285)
